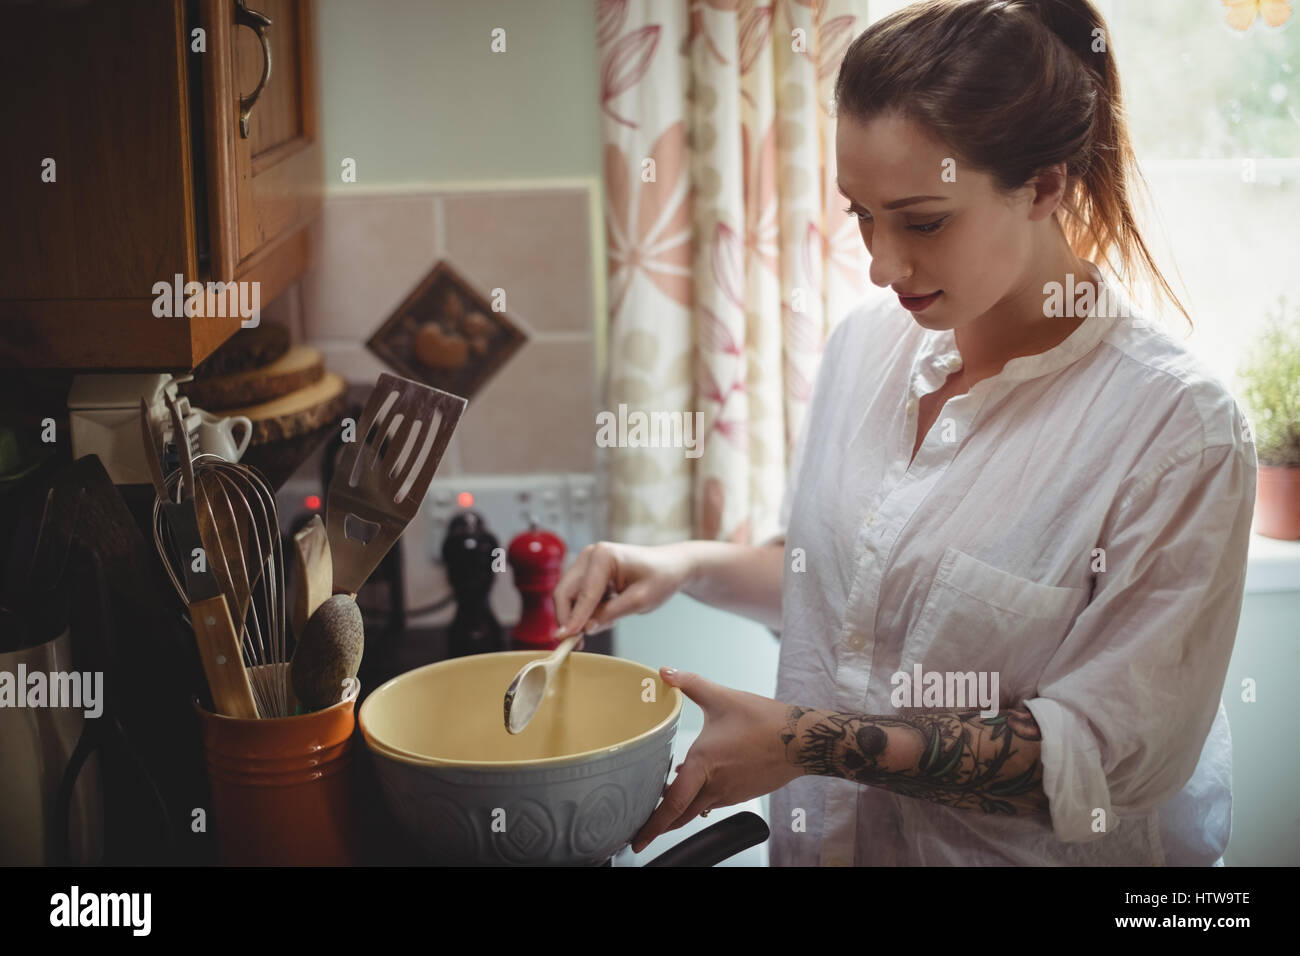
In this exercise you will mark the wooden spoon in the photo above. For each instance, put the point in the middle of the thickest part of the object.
(314, 572)
(527, 691)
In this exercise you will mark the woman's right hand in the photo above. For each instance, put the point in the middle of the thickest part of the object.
(609, 580)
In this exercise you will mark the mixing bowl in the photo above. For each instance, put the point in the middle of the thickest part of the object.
(573, 788)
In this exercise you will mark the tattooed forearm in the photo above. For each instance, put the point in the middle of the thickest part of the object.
(956, 758)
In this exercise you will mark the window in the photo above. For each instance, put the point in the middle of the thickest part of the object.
(1214, 115)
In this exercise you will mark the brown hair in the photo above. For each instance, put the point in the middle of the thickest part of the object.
(1013, 86)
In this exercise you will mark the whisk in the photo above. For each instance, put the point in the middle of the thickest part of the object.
(241, 537)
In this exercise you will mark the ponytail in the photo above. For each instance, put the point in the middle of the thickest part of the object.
(1100, 212)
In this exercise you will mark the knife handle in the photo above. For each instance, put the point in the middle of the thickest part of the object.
(223, 662)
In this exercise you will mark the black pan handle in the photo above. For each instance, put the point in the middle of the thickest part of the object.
(718, 842)
(86, 745)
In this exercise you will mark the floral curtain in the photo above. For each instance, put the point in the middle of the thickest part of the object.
(730, 257)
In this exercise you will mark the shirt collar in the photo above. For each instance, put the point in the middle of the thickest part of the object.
(939, 356)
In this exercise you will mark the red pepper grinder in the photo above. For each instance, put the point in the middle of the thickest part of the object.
(536, 557)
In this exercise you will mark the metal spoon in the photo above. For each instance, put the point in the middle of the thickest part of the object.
(527, 691)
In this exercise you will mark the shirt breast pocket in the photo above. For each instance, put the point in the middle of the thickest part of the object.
(982, 618)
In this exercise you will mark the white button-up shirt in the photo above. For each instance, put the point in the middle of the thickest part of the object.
(982, 555)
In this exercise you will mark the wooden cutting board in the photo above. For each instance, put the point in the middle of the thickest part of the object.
(246, 349)
(297, 368)
(297, 413)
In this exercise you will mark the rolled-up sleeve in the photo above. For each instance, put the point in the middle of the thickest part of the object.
(1126, 703)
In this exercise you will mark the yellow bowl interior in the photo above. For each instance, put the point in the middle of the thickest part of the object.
(453, 712)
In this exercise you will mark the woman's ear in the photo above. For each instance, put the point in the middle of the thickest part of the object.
(1048, 191)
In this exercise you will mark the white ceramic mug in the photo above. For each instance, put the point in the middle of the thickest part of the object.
(217, 435)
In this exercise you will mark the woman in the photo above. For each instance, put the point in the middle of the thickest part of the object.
(999, 478)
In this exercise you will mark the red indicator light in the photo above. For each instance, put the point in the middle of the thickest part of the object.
(465, 499)
(312, 502)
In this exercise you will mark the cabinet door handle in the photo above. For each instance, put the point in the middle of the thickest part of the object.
(258, 23)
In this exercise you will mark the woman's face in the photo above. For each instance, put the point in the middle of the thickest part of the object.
(964, 240)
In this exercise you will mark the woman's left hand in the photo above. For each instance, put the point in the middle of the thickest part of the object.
(737, 756)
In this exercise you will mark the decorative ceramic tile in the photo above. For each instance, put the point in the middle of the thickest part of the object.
(446, 335)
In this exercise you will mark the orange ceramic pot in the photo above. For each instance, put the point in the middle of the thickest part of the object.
(282, 787)
(1277, 502)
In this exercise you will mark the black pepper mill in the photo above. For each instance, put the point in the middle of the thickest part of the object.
(467, 553)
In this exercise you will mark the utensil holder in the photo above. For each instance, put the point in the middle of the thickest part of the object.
(282, 788)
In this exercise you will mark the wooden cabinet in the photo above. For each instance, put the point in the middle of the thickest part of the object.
(126, 166)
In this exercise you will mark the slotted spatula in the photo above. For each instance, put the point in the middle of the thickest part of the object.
(381, 478)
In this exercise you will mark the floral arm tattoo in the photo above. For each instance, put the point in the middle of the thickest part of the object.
(956, 758)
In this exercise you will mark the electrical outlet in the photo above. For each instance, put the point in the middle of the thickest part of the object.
(567, 505)
(564, 504)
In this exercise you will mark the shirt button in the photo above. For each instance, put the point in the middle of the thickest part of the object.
(871, 518)
(911, 405)
(857, 641)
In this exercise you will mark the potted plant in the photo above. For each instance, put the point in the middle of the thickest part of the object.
(1270, 380)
